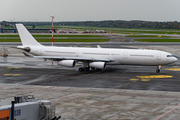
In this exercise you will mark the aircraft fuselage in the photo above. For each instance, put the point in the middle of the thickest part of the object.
(120, 56)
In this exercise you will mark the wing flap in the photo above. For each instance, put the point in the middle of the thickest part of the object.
(74, 58)
(70, 58)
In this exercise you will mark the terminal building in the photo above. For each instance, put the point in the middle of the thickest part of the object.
(14, 30)
(8, 27)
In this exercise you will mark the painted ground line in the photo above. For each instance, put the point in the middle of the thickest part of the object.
(120, 86)
(167, 112)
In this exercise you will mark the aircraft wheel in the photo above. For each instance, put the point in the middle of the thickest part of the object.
(81, 69)
(86, 69)
(93, 68)
(158, 71)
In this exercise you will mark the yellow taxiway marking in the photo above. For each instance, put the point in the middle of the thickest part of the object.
(14, 67)
(92, 94)
(127, 83)
(103, 91)
(10, 67)
(112, 89)
(70, 102)
(7, 74)
(144, 80)
(12, 74)
(175, 66)
(173, 69)
(16, 74)
(120, 86)
(133, 79)
(18, 67)
(81, 98)
(155, 76)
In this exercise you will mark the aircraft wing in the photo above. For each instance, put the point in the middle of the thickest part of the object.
(70, 58)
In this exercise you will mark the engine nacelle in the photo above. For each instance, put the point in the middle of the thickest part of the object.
(67, 63)
(99, 65)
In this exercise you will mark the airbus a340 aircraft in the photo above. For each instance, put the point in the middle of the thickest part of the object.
(92, 58)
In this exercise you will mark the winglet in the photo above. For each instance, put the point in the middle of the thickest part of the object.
(27, 55)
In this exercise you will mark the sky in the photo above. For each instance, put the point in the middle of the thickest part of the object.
(89, 10)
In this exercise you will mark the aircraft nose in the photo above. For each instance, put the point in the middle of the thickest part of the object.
(174, 59)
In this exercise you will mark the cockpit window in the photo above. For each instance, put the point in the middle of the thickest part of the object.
(169, 55)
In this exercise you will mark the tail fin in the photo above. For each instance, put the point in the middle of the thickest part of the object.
(26, 38)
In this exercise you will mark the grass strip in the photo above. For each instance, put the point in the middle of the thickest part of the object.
(158, 40)
(148, 36)
(59, 40)
(55, 36)
(138, 31)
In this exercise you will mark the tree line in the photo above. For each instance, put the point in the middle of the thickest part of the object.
(109, 23)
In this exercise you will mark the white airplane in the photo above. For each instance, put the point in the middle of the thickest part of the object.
(92, 58)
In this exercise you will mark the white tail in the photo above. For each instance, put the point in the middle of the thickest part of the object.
(26, 38)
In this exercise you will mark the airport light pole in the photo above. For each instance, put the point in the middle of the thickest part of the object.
(35, 23)
(52, 28)
(63, 24)
(83, 27)
(110, 28)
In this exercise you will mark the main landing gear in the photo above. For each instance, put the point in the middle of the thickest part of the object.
(158, 69)
(84, 69)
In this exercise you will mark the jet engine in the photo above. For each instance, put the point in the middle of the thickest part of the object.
(27, 49)
(67, 63)
(99, 65)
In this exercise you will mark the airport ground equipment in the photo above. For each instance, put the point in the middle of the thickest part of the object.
(28, 108)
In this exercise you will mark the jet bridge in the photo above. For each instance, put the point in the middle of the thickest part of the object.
(28, 108)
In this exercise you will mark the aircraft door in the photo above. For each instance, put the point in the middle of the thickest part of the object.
(41, 51)
(77, 53)
(158, 56)
(125, 54)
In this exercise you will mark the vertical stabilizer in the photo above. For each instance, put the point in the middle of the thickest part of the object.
(26, 38)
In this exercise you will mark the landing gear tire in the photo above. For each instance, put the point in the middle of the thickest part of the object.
(86, 69)
(81, 69)
(93, 68)
(158, 71)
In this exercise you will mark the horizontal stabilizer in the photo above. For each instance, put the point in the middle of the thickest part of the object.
(27, 55)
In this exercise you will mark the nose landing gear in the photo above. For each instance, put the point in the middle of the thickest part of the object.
(158, 69)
